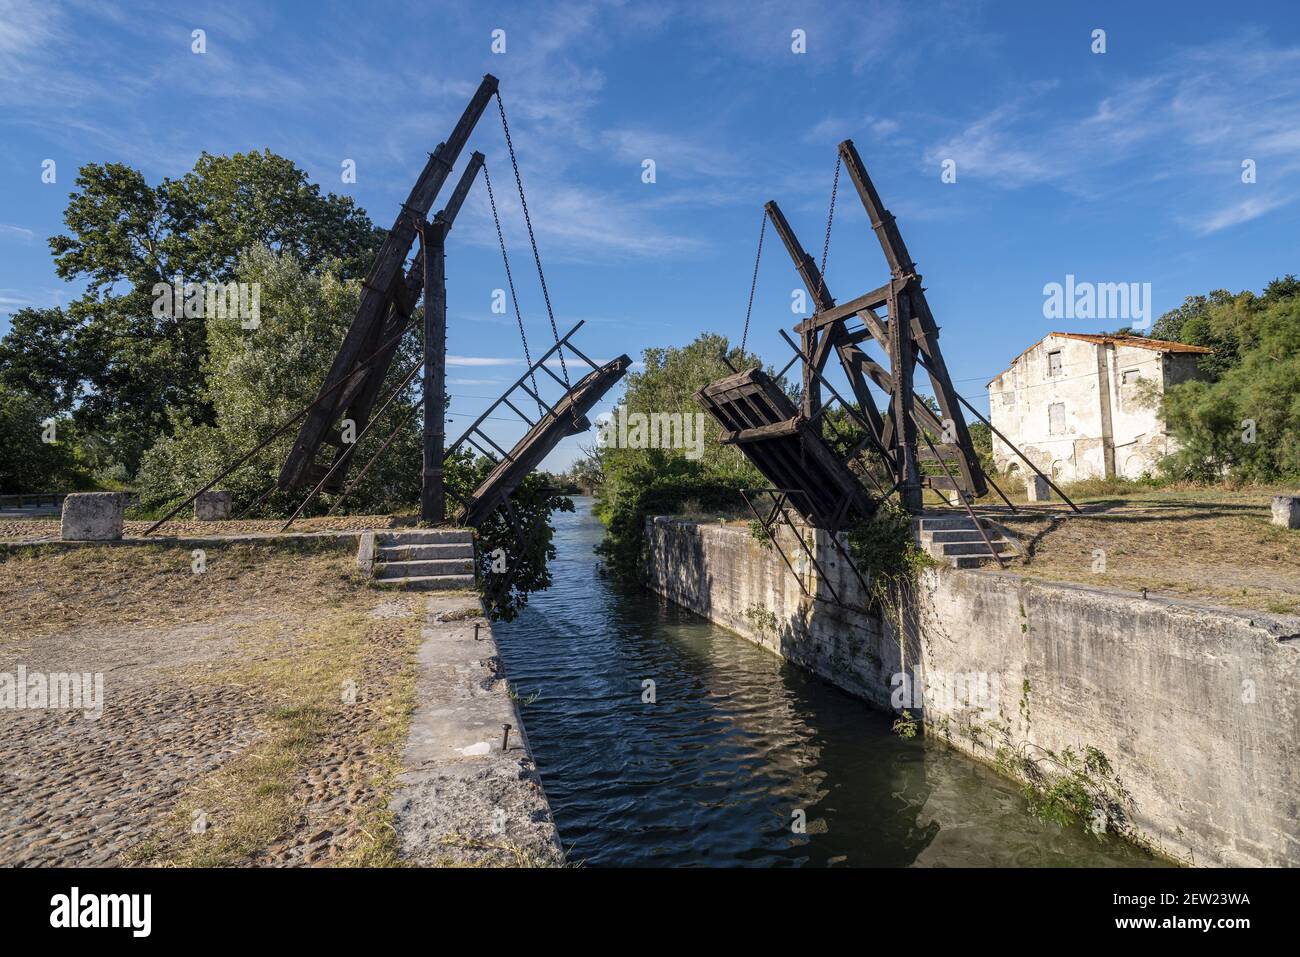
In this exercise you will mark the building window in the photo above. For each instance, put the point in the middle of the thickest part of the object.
(1129, 377)
(1008, 397)
(1056, 418)
(1054, 362)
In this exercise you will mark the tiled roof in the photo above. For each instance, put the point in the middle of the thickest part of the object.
(1139, 342)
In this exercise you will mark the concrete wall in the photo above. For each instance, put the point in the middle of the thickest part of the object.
(1197, 709)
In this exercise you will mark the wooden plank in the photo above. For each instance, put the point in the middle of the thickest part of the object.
(822, 488)
(530, 450)
(872, 300)
(776, 430)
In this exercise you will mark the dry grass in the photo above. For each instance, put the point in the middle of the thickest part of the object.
(50, 590)
(303, 622)
(41, 529)
(1211, 544)
(256, 800)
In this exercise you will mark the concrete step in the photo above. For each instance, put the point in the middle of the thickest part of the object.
(948, 549)
(412, 553)
(431, 582)
(958, 535)
(425, 536)
(946, 523)
(421, 569)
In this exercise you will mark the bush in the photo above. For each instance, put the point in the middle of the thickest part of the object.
(623, 547)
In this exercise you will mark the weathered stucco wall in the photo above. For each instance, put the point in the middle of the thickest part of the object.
(1197, 709)
(1109, 424)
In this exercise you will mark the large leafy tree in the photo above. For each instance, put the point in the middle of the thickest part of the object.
(1244, 418)
(123, 372)
(37, 450)
(254, 379)
(637, 481)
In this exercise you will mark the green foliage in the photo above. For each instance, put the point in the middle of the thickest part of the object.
(640, 482)
(27, 462)
(886, 553)
(647, 493)
(1254, 378)
(513, 561)
(256, 378)
(759, 534)
(905, 725)
(128, 376)
(761, 618)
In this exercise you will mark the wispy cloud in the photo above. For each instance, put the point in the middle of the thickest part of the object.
(476, 361)
(16, 232)
(1187, 125)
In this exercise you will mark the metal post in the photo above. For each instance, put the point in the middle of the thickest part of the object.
(433, 501)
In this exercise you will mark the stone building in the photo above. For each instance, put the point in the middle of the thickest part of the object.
(1085, 406)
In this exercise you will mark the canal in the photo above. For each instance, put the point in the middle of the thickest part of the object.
(736, 742)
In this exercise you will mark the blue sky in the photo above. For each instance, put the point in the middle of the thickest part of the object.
(1123, 166)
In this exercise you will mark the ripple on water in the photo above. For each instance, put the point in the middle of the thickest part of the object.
(736, 741)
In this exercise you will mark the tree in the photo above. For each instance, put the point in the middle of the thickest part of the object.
(256, 378)
(1245, 420)
(123, 371)
(37, 450)
(635, 479)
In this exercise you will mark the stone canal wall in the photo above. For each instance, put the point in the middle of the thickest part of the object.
(470, 795)
(1195, 710)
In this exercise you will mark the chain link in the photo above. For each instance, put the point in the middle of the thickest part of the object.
(830, 218)
(753, 284)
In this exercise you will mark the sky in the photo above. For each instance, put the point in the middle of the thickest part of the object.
(1013, 151)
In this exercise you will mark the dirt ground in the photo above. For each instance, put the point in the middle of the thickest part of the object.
(43, 529)
(1215, 545)
(254, 713)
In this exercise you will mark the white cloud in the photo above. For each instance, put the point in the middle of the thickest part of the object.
(479, 361)
(1185, 126)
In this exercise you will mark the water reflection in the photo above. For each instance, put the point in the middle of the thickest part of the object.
(735, 743)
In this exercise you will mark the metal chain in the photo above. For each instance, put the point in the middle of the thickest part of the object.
(511, 283)
(830, 218)
(753, 284)
(523, 202)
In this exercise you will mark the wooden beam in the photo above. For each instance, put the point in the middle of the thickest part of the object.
(872, 300)
(882, 220)
(900, 361)
(377, 289)
(815, 283)
(774, 431)
(433, 499)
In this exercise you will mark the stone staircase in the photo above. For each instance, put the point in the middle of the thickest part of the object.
(955, 540)
(419, 559)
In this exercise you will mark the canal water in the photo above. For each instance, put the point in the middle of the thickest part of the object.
(735, 743)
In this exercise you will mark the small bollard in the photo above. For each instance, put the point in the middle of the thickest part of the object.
(505, 737)
(1144, 593)
(476, 637)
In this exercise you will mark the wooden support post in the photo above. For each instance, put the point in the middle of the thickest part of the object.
(901, 360)
(377, 290)
(433, 499)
